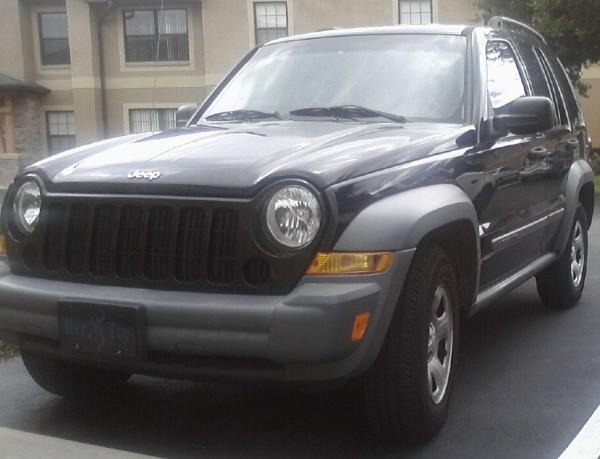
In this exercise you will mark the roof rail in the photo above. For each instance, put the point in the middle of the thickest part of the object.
(501, 22)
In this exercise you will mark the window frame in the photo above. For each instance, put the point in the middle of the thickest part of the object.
(255, 18)
(399, 6)
(155, 12)
(49, 136)
(130, 111)
(562, 114)
(41, 38)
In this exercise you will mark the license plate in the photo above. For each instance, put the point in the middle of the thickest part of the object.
(100, 330)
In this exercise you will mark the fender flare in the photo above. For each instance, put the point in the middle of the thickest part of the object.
(579, 174)
(401, 221)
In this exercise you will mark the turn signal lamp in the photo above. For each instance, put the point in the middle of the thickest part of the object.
(349, 263)
(2, 246)
(361, 322)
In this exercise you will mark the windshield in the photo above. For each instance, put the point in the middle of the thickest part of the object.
(414, 77)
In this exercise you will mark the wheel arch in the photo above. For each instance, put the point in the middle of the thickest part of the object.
(586, 199)
(441, 213)
(578, 189)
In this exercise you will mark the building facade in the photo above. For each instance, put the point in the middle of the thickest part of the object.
(103, 68)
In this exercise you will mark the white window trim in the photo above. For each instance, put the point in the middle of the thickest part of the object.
(434, 9)
(251, 28)
(35, 27)
(173, 66)
(148, 106)
(44, 124)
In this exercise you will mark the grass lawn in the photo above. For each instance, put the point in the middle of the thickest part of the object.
(597, 184)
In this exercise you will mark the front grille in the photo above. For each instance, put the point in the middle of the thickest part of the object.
(155, 243)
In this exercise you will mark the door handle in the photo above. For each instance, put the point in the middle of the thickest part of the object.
(538, 153)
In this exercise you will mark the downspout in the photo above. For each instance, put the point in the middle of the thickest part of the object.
(99, 26)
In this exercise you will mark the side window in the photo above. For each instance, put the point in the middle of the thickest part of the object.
(555, 93)
(566, 88)
(504, 79)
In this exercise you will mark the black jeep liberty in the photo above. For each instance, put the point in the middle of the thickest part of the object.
(332, 210)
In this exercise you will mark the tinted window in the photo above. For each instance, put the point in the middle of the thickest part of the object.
(537, 77)
(421, 77)
(565, 87)
(555, 92)
(504, 79)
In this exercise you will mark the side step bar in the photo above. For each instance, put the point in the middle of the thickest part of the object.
(490, 294)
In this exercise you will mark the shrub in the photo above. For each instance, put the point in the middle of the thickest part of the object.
(7, 350)
(596, 160)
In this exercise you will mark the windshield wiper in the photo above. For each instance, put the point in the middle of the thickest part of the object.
(242, 115)
(350, 112)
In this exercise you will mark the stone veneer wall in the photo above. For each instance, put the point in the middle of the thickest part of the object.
(28, 138)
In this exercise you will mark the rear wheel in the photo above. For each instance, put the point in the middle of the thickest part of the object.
(407, 391)
(560, 286)
(69, 379)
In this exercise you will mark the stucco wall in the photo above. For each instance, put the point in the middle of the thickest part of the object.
(591, 109)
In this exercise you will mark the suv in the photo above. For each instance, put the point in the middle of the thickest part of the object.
(330, 213)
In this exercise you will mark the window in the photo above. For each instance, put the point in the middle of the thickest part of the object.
(566, 88)
(61, 131)
(421, 77)
(555, 93)
(152, 35)
(151, 120)
(54, 39)
(270, 21)
(415, 11)
(504, 79)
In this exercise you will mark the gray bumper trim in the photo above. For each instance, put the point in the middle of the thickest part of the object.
(307, 331)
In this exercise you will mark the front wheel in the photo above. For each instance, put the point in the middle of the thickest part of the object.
(407, 391)
(561, 284)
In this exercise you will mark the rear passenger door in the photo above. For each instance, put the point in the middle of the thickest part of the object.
(562, 143)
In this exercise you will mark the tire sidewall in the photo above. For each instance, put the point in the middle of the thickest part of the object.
(442, 273)
(576, 292)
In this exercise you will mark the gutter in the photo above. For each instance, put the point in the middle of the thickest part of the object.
(99, 26)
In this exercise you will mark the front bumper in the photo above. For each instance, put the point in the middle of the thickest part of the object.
(302, 336)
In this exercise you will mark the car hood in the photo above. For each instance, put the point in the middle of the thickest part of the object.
(238, 159)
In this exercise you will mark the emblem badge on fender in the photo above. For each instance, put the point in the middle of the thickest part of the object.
(144, 175)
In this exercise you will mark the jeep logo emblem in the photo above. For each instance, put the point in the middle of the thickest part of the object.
(144, 175)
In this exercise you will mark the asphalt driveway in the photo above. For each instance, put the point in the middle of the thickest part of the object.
(528, 381)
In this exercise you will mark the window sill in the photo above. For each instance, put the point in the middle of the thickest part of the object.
(55, 67)
(8, 156)
(153, 64)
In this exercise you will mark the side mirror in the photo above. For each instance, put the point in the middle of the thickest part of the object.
(526, 115)
(184, 113)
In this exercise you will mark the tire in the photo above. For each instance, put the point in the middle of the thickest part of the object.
(70, 380)
(403, 405)
(561, 284)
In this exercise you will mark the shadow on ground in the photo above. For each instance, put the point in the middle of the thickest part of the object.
(180, 419)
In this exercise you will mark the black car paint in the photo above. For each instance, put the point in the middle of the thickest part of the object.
(354, 164)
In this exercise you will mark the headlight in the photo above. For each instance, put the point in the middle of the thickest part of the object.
(26, 207)
(293, 216)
